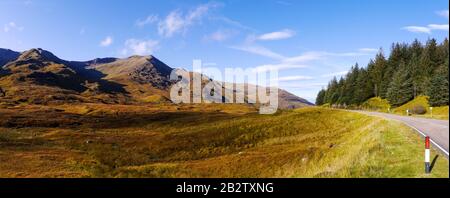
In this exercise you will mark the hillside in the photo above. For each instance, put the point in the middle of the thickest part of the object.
(38, 76)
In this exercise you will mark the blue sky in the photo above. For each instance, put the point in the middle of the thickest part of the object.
(310, 41)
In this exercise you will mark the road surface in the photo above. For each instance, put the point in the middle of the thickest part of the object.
(438, 130)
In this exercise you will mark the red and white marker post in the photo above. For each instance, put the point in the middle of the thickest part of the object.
(427, 155)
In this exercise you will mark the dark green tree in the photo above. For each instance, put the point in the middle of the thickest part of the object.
(364, 88)
(400, 90)
(320, 97)
(438, 90)
(409, 71)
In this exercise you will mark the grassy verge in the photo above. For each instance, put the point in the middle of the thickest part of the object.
(438, 112)
(311, 142)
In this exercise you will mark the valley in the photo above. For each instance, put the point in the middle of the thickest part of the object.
(112, 118)
(98, 140)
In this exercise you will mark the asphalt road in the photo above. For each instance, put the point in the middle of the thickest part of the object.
(437, 130)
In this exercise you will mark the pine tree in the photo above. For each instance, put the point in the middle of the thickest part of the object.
(438, 90)
(430, 58)
(349, 88)
(409, 71)
(331, 95)
(364, 89)
(416, 50)
(400, 90)
(377, 72)
(320, 97)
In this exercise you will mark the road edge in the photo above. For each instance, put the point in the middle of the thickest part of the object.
(439, 148)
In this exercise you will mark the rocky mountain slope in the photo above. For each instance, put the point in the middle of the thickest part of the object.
(37, 76)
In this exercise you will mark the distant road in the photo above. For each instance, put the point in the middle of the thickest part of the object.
(438, 130)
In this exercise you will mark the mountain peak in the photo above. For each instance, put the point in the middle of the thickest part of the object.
(38, 54)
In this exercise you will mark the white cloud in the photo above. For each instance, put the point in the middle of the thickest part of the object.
(417, 29)
(172, 24)
(428, 29)
(258, 50)
(304, 86)
(233, 23)
(140, 47)
(283, 34)
(178, 22)
(341, 73)
(431, 27)
(294, 62)
(368, 50)
(149, 20)
(294, 78)
(220, 35)
(305, 57)
(279, 67)
(12, 26)
(443, 13)
(438, 27)
(106, 42)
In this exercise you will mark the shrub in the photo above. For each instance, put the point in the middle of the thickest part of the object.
(376, 104)
(419, 109)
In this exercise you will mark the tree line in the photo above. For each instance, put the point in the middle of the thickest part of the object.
(409, 71)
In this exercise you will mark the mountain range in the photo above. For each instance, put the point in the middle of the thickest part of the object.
(37, 76)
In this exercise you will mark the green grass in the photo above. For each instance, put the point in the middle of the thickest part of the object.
(214, 141)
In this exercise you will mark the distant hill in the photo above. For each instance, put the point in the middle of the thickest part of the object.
(7, 55)
(38, 76)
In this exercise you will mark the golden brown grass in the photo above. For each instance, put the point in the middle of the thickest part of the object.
(206, 141)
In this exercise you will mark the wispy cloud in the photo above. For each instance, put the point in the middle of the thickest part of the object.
(443, 13)
(179, 22)
(279, 67)
(106, 42)
(279, 35)
(149, 20)
(321, 55)
(220, 35)
(259, 50)
(232, 22)
(140, 47)
(304, 86)
(438, 27)
(368, 50)
(305, 57)
(12, 26)
(427, 29)
(294, 62)
(417, 29)
(337, 74)
(294, 78)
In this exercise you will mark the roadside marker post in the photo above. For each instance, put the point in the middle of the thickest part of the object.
(427, 155)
